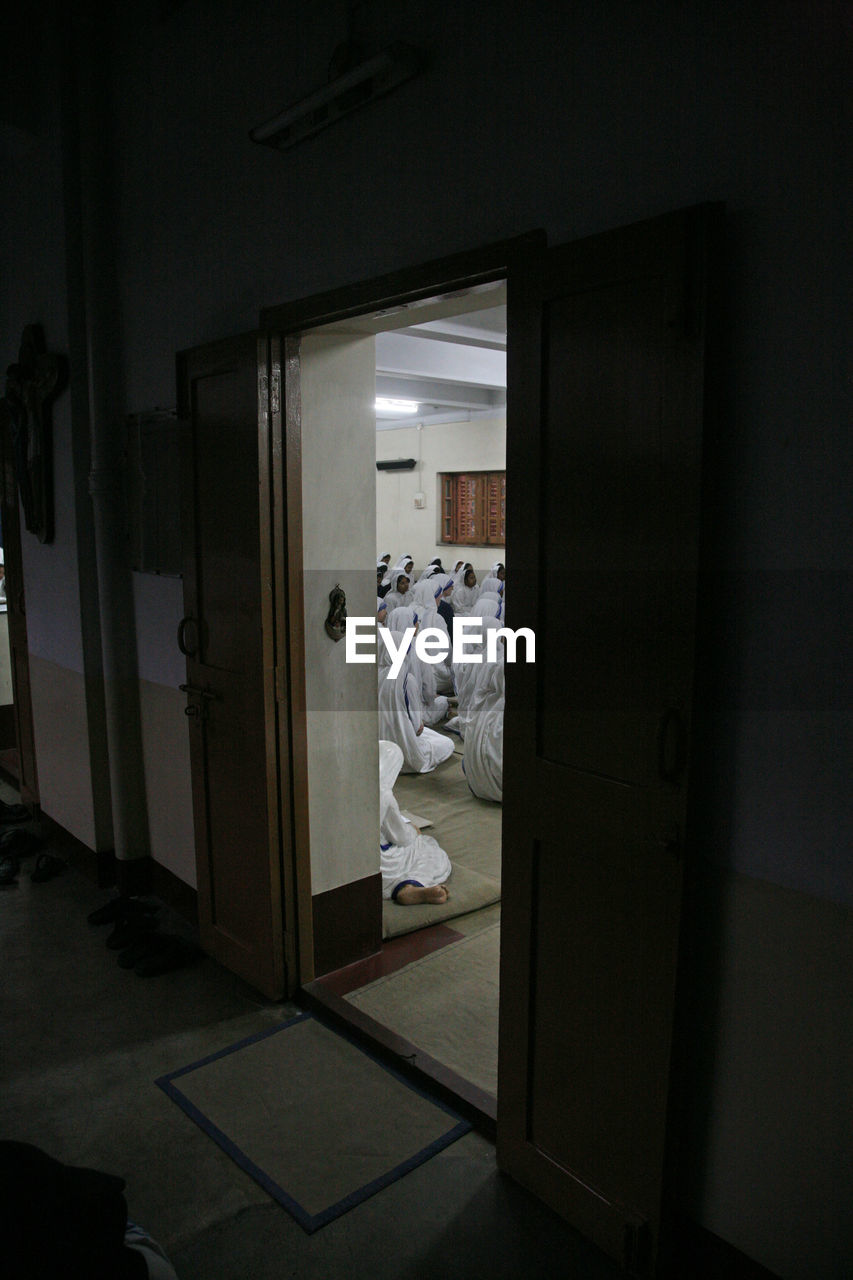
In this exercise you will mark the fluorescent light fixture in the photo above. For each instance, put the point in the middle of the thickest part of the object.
(362, 84)
(386, 405)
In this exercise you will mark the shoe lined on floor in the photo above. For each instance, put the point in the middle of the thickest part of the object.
(121, 908)
(19, 843)
(170, 952)
(47, 866)
(14, 812)
(130, 930)
(141, 947)
(9, 868)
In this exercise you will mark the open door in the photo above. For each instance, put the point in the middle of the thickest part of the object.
(605, 390)
(234, 701)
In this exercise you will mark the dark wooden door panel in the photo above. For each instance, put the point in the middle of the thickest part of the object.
(603, 457)
(224, 391)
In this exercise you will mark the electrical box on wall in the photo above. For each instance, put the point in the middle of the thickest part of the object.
(420, 501)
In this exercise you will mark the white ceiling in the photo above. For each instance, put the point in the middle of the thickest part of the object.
(455, 368)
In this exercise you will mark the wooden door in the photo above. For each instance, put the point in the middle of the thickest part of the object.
(19, 656)
(605, 387)
(227, 635)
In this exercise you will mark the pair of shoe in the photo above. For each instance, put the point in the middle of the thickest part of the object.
(19, 843)
(47, 866)
(157, 953)
(121, 908)
(14, 812)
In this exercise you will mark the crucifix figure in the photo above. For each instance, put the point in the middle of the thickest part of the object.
(30, 386)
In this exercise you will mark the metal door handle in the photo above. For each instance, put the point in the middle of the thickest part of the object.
(197, 692)
(186, 649)
(672, 745)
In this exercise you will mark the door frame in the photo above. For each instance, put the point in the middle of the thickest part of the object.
(285, 324)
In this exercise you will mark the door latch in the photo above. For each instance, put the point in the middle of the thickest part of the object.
(194, 709)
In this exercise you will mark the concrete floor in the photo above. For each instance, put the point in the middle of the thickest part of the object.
(84, 1040)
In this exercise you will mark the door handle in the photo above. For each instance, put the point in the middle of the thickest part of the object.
(186, 649)
(196, 710)
(672, 745)
(195, 691)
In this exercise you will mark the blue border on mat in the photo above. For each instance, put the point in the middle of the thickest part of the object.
(309, 1222)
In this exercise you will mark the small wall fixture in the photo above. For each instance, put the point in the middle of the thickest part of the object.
(397, 464)
(364, 83)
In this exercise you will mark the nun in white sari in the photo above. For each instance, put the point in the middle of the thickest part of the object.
(401, 716)
(427, 594)
(434, 705)
(465, 674)
(414, 867)
(465, 592)
(493, 585)
(482, 763)
(399, 596)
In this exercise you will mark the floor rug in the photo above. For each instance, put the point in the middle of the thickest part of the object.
(316, 1121)
(422, 1002)
(469, 891)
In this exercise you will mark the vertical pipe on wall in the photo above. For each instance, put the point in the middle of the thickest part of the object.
(91, 239)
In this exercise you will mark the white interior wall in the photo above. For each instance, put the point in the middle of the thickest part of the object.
(479, 445)
(5, 661)
(339, 529)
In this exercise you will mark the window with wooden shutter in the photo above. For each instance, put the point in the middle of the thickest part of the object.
(473, 511)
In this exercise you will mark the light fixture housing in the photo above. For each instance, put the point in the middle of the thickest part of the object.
(397, 464)
(392, 405)
(356, 88)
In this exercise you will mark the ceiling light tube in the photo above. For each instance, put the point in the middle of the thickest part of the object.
(384, 404)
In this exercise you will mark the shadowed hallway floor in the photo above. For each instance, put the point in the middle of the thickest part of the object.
(84, 1041)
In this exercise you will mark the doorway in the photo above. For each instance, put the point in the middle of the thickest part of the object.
(449, 353)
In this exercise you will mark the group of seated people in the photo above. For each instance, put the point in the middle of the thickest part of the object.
(464, 698)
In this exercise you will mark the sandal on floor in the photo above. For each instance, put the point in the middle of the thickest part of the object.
(121, 908)
(47, 866)
(145, 946)
(171, 953)
(19, 843)
(14, 812)
(9, 868)
(130, 930)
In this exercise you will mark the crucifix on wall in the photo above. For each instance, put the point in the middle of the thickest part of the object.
(31, 384)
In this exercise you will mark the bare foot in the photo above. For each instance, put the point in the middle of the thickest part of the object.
(412, 894)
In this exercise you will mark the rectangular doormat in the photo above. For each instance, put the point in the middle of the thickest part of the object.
(317, 1122)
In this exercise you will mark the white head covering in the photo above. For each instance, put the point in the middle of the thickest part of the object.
(492, 584)
(431, 569)
(488, 605)
(403, 617)
(427, 594)
(463, 597)
(395, 598)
